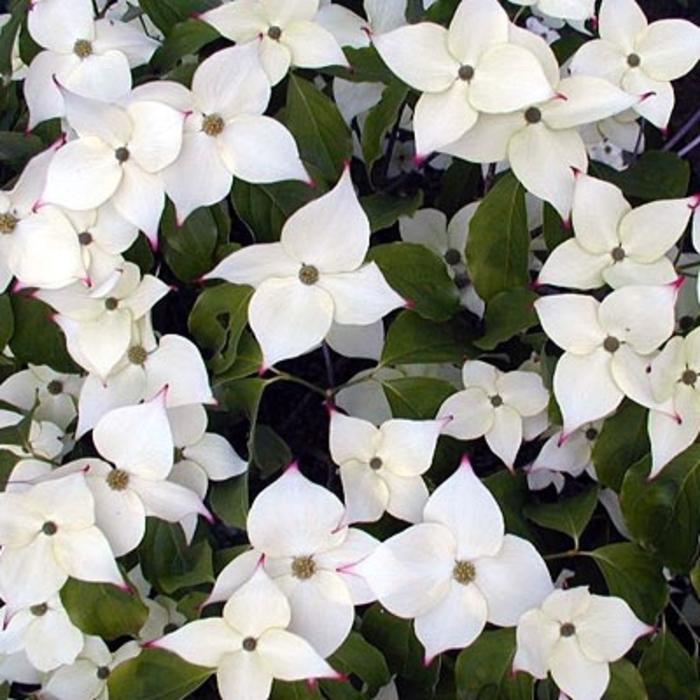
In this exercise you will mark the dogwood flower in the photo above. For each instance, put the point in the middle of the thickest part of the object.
(287, 29)
(575, 635)
(493, 404)
(250, 645)
(381, 468)
(641, 58)
(615, 244)
(469, 68)
(312, 277)
(453, 572)
(609, 343)
(580, 10)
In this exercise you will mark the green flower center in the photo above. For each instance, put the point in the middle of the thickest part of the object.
(122, 154)
(633, 60)
(213, 125)
(303, 567)
(103, 672)
(49, 528)
(611, 344)
(496, 401)
(7, 222)
(118, 479)
(452, 256)
(308, 274)
(466, 72)
(689, 377)
(111, 303)
(54, 387)
(137, 355)
(618, 254)
(39, 610)
(464, 572)
(591, 434)
(82, 48)
(533, 115)
(274, 32)
(375, 463)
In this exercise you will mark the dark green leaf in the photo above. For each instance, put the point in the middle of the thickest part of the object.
(626, 682)
(102, 609)
(498, 246)
(16, 147)
(217, 321)
(484, 669)
(668, 671)
(189, 247)
(656, 175)
(265, 208)
(7, 321)
(299, 690)
(322, 136)
(185, 39)
(7, 37)
(635, 575)
(269, 453)
(417, 398)
(229, 500)
(507, 314)
(241, 397)
(381, 119)
(419, 276)
(248, 359)
(567, 515)
(441, 12)
(155, 675)
(622, 442)
(166, 13)
(358, 656)
(553, 228)
(367, 66)
(36, 338)
(383, 210)
(339, 690)
(695, 577)
(663, 514)
(412, 339)
(460, 185)
(511, 492)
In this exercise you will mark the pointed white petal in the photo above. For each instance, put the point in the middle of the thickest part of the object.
(506, 434)
(669, 436)
(621, 22)
(275, 58)
(233, 576)
(30, 574)
(128, 39)
(216, 457)
(523, 391)
(49, 22)
(240, 21)
(351, 438)
(669, 49)
(486, 141)
(105, 77)
(86, 555)
(659, 97)
(575, 673)
(471, 412)
(406, 447)
(166, 500)
(290, 657)
(407, 497)
(536, 636)
(140, 199)
(312, 46)
(255, 264)
(571, 321)
(476, 26)
(243, 675)
(157, 134)
(202, 642)
(365, 492)
(571, 265)
(43, 97)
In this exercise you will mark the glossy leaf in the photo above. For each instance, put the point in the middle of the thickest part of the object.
(166, 13)
(625, 682)
(7, 37)
(668, 670)
(695, 577)
(269, 453)
(512, 493)
(635, 575)
(555, 231)
(185, 39)
(507, 314)
(499, 240)
(229, 500)
(15, 147)
(102, 609)
(384, 210)
(418, 275)
(417, 398)
(381, 119)
(298, 690)
(7, 321)
(155, 674)
(359, 657)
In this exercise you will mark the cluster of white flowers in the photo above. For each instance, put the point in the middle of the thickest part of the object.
(490, 92)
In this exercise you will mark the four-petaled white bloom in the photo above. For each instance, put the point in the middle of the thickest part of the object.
(313, 277)
(575, 635)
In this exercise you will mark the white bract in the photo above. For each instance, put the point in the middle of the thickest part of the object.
(562, 9)
(493, 404)
(313, 277)
(575, 635)
(453, 572)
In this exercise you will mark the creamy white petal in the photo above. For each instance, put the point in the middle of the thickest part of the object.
(536, 636)
(365, 492)
(290, 657)
(255, 264)
(86, 555)
(407, 497)
(506, 434)
(406, 447)
(240, 21)
(621, 22)
(312, 46)
(351, 438)
(571, 265)
(576, 674)
(669, 49)
(243, 675)
(471, 412)
(202, 642)
(571, 321)
(475, 27)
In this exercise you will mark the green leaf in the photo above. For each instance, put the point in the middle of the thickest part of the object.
(217, 321)
(229, 500)
(166, 13)
(635, 575)
(413, 339)
(668, 670)
(383, 210)
(656, 175)
(512, 492)
(36, 339)
(663, 514)
(155, 674)
(298, 690)
(265, 208)
(169, 563)
(185, 39)
(16, 147)
(484, 669)
(248, 359)
(269, 453)
(460, 184)
(322, 136)
(7, 37)
(626, 682)
(102, 609)
(507, 314)
(568, 515)
(189, 248)
(381, 119)
(358, 656)
(695, 577)
(417, 398)
(553, 228)
(339, 690)
(418, 275)
(7, 320)
(622, 442)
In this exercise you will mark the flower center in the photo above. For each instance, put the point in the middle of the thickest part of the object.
(591, 434)
(375, 463)
(461, 280)
(464, 572)
(54, 387)
(633, 60)
(568, 629)
(533, 115)
(452, 256)
(122, 154)
(496, 401)
(49, 528)
(7, 223)
(618, 254)
(611, 344)
(303, 567)
(118, 479)
(308, 274)
(213, 125)
(39, 610)
(466, 72)
(137, 355)
(85, 238)
(82, 48)
(103, 672)
(111, 303)
(249, 644)
(274, 32)
(689, 377)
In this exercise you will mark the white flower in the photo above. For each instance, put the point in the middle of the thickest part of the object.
(313, 277)
(575, 635)
(562, 9)
(453, 572)
(250, 645)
